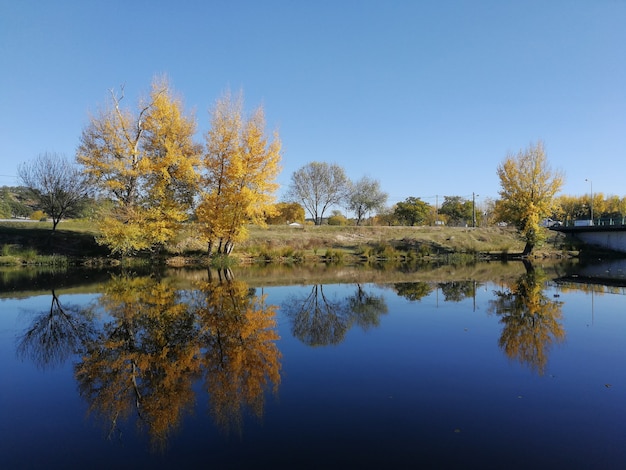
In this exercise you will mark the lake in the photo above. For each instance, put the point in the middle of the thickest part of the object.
(493, 365)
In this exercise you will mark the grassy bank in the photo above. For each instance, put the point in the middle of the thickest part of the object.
(74, 243)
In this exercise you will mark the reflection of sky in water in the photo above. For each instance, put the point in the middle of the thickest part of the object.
(428, 384)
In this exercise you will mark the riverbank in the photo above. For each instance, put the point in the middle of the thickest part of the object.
(74, 243)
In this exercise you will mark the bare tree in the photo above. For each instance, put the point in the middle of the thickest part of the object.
(319, 186)
(366, 196)
(58, 186)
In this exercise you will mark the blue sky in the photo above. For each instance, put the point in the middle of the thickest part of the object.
(427, 97)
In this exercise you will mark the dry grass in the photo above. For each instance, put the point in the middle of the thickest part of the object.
(316, 240)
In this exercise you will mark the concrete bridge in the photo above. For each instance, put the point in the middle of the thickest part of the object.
(609, 234)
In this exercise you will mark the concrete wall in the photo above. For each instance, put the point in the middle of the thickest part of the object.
(613, 240)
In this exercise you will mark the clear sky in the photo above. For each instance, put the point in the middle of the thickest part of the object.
(427, 97)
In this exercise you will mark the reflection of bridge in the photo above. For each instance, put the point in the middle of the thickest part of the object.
(609, 234)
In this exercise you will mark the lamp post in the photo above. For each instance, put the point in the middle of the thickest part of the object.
(591, 202)
(474, 209)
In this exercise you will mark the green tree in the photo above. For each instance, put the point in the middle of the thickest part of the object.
(366, 196)
(529, 186)
(58, 186)
(318, 186)
(458, 210)
(5, 203)
(412, 211)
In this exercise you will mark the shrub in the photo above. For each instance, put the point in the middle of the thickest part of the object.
(38, 215)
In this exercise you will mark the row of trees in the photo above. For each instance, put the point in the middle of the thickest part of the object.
(151, 178)
(528, 190)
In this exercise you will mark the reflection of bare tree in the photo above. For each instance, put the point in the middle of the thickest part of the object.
(412, 290)
(55, 334)
(531, 320)
(241, 359)
(145, 358)
(366, 308)
(319, 321)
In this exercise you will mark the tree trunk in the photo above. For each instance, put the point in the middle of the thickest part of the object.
(528, 248)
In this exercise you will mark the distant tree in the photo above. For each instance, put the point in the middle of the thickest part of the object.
(58, 186)
(387, 216)
(457, 209)
(240, 167)
(366, 196)
(528, 189)
(337, 218)
(412, 211)
(5, 203)
(286, 213)
(318, 186)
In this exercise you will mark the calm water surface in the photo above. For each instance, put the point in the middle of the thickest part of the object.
(202, 371)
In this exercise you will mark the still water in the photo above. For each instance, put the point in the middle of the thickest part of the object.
(514, 367)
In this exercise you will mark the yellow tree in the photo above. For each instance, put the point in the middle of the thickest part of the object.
(144, 163)
(531, 321)
(144, 359)
(241, 358)
(240, 166)
(529, 186)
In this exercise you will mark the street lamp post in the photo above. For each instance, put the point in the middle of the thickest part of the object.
(591, 202)
(474, 209)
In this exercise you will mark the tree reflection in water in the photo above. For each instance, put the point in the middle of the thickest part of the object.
(532, 321)
(412, 291)
(55, 334)
(158, 340)
(241, 358)
(318, 320)
(144, 359)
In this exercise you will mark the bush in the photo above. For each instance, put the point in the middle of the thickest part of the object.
(39, 215)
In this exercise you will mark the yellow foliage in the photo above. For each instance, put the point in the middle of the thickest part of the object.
(146, 163)
(531, 321)
(528, 190)
(241, 166)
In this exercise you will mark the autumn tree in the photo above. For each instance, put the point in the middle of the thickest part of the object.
(529, 186)
(241, 359)
(145, 358)
(337, 218)
(144, 162)
(532, 322)
(240, 167)
(319, 186)
(366, 196)
(286, 213)
(412, 211)
(58, 187)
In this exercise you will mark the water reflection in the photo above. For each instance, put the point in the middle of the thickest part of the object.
(55, 334)
(156, 341)
(237, 331)
(413, 291)
(152, 350)
(144, 359)
(320, 320)
(456, 291)
(531, 321)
